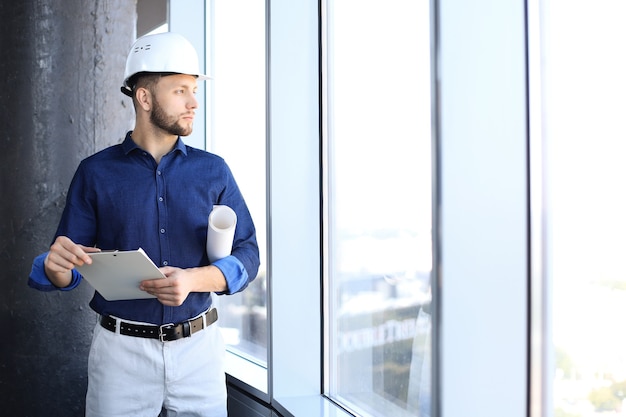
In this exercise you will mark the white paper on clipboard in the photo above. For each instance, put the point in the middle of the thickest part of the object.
(116, 275)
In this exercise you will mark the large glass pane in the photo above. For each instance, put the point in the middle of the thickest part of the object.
(237, 126)
(584, 85)
(378, 174)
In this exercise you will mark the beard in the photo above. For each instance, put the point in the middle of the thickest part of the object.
(168, 123)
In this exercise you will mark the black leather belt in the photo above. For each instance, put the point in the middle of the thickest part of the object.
(165, 332)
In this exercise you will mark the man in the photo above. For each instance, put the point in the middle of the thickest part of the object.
(164, 354)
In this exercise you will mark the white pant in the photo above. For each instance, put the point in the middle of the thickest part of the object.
(133, 376)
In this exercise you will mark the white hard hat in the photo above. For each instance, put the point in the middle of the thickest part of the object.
(166, 52)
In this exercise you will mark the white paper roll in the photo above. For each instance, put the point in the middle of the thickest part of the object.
(220, 232)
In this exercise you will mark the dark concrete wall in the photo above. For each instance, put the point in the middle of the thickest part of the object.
(61, 69)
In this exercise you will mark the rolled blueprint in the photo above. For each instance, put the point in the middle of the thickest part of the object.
(220, 232)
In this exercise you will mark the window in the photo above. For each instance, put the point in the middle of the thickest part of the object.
(583, 108)
(378, 225)
(238, 133)
(481, 206)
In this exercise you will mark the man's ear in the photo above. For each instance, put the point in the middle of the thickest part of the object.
(143, 98)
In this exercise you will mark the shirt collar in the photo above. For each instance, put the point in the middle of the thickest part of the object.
(129, 145)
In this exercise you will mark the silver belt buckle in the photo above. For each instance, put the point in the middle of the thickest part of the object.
(164, 327)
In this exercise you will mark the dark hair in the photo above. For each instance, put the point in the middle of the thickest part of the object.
(145, 80)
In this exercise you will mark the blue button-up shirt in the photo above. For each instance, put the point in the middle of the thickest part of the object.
(120, 198)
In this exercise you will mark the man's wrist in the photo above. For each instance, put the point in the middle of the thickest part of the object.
(209, 279)
(58, 279)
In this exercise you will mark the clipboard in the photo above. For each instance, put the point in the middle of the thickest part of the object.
(116, 275)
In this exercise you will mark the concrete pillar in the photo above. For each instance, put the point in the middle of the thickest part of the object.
(61, 68)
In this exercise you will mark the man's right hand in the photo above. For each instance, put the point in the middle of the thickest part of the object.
(64, 255)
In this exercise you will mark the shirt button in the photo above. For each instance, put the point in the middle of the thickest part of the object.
(158, 172)
(164, 263)
(160, 198)
(162, 230)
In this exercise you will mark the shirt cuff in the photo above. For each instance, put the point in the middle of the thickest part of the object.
(234, 272)
(39, 280)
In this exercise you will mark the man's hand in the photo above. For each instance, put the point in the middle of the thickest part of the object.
(178, 283)
(171, 290)
(64, 255)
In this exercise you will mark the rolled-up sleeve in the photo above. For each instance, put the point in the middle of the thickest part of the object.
(39, 280)
(234, 272)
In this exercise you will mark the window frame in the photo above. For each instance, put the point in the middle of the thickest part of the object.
(483, 213)
(294, 123)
